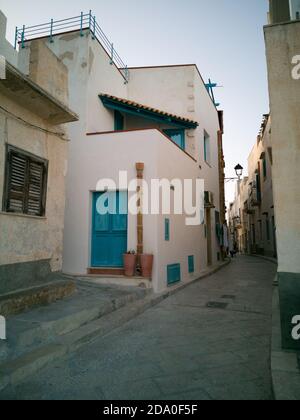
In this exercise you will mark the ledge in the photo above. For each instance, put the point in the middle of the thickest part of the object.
(101, 133)
(26, 216)
(30, 95)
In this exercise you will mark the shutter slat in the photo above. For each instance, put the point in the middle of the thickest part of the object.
(25, 184)
(35, 191)
(16, 183)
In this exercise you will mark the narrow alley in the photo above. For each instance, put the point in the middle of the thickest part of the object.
(209, 341)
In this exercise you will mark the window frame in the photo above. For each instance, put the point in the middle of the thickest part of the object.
(175, 131)
(30, 158)
(207, 151)
(119, 121)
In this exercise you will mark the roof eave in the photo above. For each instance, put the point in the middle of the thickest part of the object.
(146, 113)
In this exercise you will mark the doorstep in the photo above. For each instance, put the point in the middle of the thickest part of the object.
(104, 271)
(116, 279)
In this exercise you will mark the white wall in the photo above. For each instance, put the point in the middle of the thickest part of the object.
(177, 90)
(158, 154)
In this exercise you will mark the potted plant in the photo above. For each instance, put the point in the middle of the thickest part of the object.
(130, 263)
(147, 265)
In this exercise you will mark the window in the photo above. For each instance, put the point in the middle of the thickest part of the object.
(25, 184)
(265, 168)
(206, 147)
(260, 230)
(268, 229)
(191, 261)
(119, 121)
(177, 136)
(167, 229)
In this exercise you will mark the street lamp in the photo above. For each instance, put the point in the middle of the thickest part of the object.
(239, 173)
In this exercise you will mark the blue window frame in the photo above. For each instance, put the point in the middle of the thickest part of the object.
(167, 229)
(191, 264)
(119, 121)
(177, 136)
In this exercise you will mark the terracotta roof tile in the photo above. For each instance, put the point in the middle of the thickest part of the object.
(148, 108)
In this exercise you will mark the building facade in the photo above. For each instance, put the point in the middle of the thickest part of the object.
(161, 119)
(33, 165)
(251, 215)
(282, 38)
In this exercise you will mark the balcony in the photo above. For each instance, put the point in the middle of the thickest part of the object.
(255, 196)
(248, 209)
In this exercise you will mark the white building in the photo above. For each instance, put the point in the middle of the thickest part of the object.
(162, 117)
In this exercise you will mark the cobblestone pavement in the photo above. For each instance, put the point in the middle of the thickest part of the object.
(209, 341)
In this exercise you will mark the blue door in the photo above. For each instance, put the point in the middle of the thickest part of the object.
(109, 231)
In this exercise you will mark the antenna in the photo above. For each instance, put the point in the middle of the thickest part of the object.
(210, 86)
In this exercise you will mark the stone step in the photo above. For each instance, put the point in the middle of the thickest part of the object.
(15, 369)
(46, 324)
(22, 300)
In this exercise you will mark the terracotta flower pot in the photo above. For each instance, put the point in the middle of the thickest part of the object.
(147, 265)
(129, 264)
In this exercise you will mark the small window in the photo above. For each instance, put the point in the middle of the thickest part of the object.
(167, 229)
(25, 183)
(265, 168)
(268, 230)
(207, 148)
(191, 260)
(177, 136)
(119, 121)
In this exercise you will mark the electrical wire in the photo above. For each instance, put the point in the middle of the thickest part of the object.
(44, 130)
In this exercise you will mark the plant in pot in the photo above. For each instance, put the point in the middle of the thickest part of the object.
(130, 263)
(147, 265)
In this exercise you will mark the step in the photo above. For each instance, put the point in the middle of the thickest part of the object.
(22, 300)
(14, 371)
(17, 369)
(43, 325)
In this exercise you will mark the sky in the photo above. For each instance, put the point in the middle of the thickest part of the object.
(223, 37)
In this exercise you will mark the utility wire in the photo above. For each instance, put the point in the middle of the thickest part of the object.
(44, 130)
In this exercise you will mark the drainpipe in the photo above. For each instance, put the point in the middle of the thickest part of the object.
(140, 230)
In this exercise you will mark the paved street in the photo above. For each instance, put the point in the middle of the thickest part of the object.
(209, 341)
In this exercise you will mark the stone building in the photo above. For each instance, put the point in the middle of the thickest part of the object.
(251, 216)
(282, 38)
(33, 168)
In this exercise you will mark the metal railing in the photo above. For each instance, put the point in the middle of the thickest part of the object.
(78, 23)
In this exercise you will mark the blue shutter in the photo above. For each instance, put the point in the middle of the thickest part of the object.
(174, 274)
(167, 229)
(191, 264)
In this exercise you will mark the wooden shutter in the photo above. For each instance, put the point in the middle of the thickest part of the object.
(35, 188)
(16, 188)
(26, 183)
